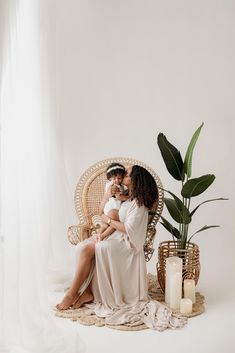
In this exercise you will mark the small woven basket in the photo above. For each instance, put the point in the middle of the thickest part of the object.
(190, 257)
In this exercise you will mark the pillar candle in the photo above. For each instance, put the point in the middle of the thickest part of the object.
(173, 266)
(186, 306)
(175, 282)
(189, 289)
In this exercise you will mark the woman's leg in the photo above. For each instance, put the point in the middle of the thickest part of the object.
(82, 271)
(86, 297)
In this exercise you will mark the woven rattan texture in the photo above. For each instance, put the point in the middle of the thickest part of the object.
(190, 260)
(95, 193)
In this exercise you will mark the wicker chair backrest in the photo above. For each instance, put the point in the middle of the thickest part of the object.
(90, 190)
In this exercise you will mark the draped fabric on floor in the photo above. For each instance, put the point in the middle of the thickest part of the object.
(33, 188)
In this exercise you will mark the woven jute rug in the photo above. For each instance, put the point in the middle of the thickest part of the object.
(86, 317)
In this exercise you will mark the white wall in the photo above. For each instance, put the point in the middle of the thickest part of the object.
(127, 70)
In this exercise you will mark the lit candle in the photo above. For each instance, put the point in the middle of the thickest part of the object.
(186, 306)
(189, 289)
(173, 284)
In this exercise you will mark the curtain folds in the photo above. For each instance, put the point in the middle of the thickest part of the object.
(34, 212)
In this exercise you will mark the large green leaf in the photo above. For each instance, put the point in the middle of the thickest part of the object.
(189, 153)
(172, 157)
(195, 209)
(197, 186)
(174, 231)
(178, 201)
(178, 211)
(202, 229)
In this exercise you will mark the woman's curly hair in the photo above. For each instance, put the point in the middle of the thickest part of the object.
(144, 187)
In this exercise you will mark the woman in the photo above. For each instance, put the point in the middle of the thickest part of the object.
(116, 281)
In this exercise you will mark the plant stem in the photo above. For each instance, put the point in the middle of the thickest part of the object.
(182, 224)
(188, 206)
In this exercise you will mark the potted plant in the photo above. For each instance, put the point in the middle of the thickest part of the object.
(179, 208)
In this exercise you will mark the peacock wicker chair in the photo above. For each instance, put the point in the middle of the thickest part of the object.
(88, 195)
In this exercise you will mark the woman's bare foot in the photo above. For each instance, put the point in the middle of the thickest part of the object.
(67, 301)
(86, 297)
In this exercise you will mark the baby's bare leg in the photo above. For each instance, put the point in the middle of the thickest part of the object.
(103, 228)
(114, 215)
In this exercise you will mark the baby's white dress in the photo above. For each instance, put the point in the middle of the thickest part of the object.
(113, 203)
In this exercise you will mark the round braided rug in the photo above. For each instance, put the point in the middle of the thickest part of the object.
(86, 317)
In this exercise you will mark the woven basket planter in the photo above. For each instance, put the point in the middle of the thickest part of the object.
(190, 257)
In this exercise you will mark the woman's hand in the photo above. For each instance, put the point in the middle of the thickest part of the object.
(115, 224)
(113, 189)
(121, 197)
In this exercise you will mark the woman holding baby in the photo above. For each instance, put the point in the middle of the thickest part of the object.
(111, 269)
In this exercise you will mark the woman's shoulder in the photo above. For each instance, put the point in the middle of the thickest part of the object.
(132, 204)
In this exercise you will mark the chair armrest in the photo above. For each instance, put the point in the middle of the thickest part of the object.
(78, 233)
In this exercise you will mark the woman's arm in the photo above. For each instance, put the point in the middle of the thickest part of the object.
(114, 224)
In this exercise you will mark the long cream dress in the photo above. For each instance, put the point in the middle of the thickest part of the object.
(119, 276)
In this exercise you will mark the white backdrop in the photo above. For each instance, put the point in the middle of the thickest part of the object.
(127, 70)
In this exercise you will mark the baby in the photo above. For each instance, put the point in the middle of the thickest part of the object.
(110, 204)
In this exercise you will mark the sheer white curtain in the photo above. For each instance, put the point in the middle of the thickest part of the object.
(33, 191)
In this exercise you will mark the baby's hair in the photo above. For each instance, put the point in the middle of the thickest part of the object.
(114, 169)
